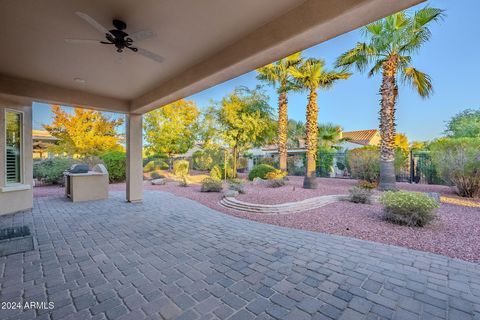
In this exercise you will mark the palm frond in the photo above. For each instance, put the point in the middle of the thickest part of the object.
(268, 73)
(377, 67)
(311, 75)
(327, 79)
(418, 80)
(418, 32)
(374, 28)
(278, 74)
(404, 61)
(399, 20)
(427, 15)
(359, 57)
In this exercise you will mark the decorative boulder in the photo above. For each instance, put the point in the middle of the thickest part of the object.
(434, 195)
(259, 181)
(159, 182)
(230, 194)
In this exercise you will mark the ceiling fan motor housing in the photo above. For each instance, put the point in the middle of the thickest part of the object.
(120, 38)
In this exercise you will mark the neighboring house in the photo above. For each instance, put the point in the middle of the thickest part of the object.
(42, 139)
(355, 139)
(360, 138)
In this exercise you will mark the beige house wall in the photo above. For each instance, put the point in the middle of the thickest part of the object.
(17, 197)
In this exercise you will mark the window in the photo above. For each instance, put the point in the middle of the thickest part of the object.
(13, 125)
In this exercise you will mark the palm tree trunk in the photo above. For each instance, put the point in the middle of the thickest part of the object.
(282, 130)
(310, 180)
(389, 92)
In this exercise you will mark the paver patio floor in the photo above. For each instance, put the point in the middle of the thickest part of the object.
(173, 258)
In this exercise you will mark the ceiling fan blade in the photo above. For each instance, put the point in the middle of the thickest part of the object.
(82, 41)
(141, 35)
(92, 22)
(150, 55)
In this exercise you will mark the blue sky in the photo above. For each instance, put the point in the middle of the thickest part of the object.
(354, 103)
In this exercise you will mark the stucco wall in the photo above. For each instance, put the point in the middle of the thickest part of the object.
(17, 200)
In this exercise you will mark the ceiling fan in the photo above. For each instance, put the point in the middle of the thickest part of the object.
(118, 37)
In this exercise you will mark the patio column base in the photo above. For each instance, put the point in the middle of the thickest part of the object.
(134, 158)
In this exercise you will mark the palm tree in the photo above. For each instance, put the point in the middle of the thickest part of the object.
(310, 76)
(278, 74)
(391, 42)
(330, 136)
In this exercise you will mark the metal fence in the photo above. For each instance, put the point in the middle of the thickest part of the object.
(417, 167)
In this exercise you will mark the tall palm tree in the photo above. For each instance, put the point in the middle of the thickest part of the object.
(311, 75)
(278, 74)
(391, 42)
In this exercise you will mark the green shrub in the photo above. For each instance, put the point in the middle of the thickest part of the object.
(296, 171)
(157, 164)
(260, 171)
(401, 161)
(204, 160)
(51, 170)
(267, 160)
(295, 165)
(236, 181)
(161, 156)
(116, 164)
(237, 185)
(211, 185)
(180, 168)
(216, 173)
(276, 174)
(340, 166)
(156, 175)
(409, 208)
(364, 163)
(149, 167)
(324, 162)
(458, 163)
(183, 181)
(275, 183)
(367, 185)
(359, 195)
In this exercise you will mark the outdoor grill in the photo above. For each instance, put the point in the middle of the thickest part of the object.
(83, 185)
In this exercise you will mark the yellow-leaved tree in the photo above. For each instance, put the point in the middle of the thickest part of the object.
(83, 133)
(171, 129)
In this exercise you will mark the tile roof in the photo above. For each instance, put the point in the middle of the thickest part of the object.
(42, 135)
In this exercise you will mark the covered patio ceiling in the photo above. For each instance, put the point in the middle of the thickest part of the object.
(203, 43)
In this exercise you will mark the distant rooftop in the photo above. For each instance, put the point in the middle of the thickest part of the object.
(363, 137)
(42, 135)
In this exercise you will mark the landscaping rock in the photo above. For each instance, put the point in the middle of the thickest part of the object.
(230, 194)
(159, 182)
(434, 195)
(259, 181)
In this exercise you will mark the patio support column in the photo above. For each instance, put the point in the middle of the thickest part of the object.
(134, 158)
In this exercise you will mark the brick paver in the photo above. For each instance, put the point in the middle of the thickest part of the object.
(172, 258)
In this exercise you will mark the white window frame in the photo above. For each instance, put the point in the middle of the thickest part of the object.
(22, 144)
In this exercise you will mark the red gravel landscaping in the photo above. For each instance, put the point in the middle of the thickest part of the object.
(455, 232)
